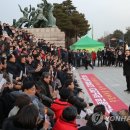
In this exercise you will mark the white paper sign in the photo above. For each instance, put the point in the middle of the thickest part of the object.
(3, 81)
(11, 78)
(25, 71)
(21, 74)
(1, 76)
(82, 114)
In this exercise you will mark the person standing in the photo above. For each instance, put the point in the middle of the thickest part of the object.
(1, 33)
(94, 56)
(89, 59)
(126, 69)
(104, 62)
(99, 57)
(78, 58)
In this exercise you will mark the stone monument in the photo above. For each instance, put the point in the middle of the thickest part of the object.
(42, 23)
(52, 35)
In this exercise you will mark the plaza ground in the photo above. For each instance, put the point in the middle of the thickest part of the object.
(112, 77)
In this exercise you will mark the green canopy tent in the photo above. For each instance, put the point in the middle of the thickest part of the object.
(88, 44)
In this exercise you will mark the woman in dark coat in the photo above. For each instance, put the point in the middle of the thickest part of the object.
(26, 119)
(12, 67)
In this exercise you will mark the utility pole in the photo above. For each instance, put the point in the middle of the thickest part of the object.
(92, 31)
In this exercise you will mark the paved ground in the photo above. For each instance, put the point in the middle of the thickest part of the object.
(112, 77)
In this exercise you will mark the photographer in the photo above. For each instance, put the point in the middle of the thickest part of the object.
(126, 69)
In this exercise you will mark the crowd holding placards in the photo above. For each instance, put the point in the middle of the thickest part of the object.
(37, 88)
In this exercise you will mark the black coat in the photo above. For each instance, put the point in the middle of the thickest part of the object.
(6, 104)
(77, 101)
(21, 67)
(44, 87)
(85, 128)
(13, 69)
(91, 124)
(61, 76)
(1, 33)
(8, 30)
(30, 69)
(44, 93)
(9, 125)
(126, 67)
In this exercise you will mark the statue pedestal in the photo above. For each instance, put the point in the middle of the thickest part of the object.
(52, 35)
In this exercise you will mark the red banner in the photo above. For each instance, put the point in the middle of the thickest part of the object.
(100, 94)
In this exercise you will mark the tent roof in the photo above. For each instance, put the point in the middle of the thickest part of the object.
(85, 43)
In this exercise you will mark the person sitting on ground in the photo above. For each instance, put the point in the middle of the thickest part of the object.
(26, 119)
(98, 110)
(78, 102)
(121, 120)
(12, 67)
(60, 104)
(67, 120)
(30, 90)
(45, 88)
(21, 101)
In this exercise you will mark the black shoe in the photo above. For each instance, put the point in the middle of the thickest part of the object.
(90, 104)
(127, 90)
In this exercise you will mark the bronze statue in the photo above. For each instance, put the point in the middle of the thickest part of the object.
(32, 15)
(51, 18)
(39, 18)
(23, 19)
(41, 21)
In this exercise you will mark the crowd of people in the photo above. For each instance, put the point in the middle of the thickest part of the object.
(38, 90)
(106, 57)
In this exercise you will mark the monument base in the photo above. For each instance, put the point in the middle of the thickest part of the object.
(53, 35)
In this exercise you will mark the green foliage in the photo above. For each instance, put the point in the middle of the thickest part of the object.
(70, 20)
(127, 37)
(118, 34)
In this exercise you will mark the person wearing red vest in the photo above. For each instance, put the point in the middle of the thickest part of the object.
(94, 57)
(67, 120)
(60, 104)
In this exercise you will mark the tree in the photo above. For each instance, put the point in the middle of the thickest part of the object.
(70, 20)
(106, 40)
(127, 37)
(118, 34)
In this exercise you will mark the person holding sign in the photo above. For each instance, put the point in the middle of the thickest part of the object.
(21, 66)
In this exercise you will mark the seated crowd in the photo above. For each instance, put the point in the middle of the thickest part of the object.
(38, 90)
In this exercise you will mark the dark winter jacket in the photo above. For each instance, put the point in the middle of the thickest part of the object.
(6, 104)
(77, 101)
(126, 67)
(9, 124)
(13, 69)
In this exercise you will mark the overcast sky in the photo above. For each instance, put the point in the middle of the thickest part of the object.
(104, 15)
